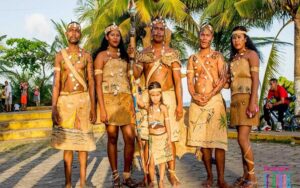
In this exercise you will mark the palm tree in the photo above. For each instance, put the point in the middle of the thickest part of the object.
(287, 10)
(102, 13)
(1, 45)
(60, 40)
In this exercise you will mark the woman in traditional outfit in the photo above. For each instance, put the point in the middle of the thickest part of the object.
(160, 148)
(244, 71)
(115, 100)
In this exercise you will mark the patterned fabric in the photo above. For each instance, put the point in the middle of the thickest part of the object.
(142, 117)
(74, 132)
(168, 58)
(119, 109)
(208, 124)
(159, 148)
(238, 107)
(169, 99)
(240, 77)
(115, 79)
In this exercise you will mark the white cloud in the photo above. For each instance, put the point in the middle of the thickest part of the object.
(38, 26)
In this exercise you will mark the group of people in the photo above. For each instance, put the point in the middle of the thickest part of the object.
(157, 125)
(7, 96)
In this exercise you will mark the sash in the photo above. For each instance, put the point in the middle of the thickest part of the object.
(73, 70)
(152, 70)
(205, 69)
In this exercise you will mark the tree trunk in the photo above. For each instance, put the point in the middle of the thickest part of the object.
(297, 63)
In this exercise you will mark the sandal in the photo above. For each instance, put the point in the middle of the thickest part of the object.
(129, 182)
(239, 182)
(249, 184)
(116, 183)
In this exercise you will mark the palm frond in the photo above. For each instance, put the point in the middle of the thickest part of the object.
(274, 60)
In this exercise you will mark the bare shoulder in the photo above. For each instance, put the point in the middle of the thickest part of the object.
(252, 54)
(163, 108)
(216, 55)
(100, 55)
(193, 58)
(87, 54)
(58, 56)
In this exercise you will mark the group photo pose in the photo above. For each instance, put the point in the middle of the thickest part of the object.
(150, 94)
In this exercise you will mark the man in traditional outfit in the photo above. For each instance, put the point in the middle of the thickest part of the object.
(207, 129)
(160, 63)
(73, 103)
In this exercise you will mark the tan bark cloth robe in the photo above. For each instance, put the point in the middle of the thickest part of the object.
(169, 97)
(74, 132)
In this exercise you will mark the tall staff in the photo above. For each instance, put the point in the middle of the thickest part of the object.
(132, 11)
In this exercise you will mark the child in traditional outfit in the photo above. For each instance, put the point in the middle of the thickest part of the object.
(159, 133)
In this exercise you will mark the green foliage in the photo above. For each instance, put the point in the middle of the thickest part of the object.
(25, 53)
(1, 45)
(60, 40)
(287, 84)
(100, 14)
(28, 60)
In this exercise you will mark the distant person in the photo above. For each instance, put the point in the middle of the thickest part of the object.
(36, 95)
(24, 93)
(280, 95)
(8, 96)
(16, 107)
(2, 95)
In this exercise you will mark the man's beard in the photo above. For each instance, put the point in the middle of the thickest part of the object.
(74, 43)
(158, 41)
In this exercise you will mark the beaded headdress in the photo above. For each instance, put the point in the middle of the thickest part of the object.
(111, 28)
(74, 24)
(158, 20)
(206, 26)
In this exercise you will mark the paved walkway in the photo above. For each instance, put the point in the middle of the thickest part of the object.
(35, 164)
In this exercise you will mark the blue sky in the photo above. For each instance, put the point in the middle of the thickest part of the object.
(32, 19)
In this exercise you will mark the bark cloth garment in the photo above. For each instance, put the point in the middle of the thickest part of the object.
(208, 124)
(74, 132)
(240, 93)
(158, 140)
(169, 97)
(118, 101)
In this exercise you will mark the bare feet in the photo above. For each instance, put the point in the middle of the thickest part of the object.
(152, 184)
(161, 184)
(222, 184)
(68, 185)
(207, 183)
